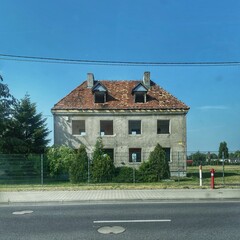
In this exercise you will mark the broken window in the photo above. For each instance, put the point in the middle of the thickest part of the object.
(109, 152)
(106, 127)
(78, 127)
(167, 154)
(100, 97)
(140, 92)
(134, 127)
(135, 154)
(140, 97)
(163, 127)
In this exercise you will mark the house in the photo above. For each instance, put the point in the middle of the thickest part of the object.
(131, 117)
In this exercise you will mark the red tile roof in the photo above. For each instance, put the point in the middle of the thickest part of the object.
(119, 97)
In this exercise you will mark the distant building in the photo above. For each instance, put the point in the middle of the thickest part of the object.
(131, 117)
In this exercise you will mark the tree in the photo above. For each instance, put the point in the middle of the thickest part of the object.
(223, 150)
(78, 171)
(28, 130)
(102, 166)
(198, 158)
(157, 167)
(7, 102)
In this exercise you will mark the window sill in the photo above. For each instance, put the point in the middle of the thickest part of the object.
(114, 135)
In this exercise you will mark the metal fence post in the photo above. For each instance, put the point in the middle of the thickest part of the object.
(41, 169)
(223, 180)
(178, 168)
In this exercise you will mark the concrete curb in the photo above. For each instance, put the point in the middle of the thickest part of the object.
(117, 195)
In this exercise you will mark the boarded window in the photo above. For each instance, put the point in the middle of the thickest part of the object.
(134, 127)
(135, 154)
(78, 127)
(106, 127)
(163, 126)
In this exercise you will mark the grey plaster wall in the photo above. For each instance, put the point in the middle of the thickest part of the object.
(121, 140)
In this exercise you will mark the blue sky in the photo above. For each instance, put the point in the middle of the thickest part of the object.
(136, 30)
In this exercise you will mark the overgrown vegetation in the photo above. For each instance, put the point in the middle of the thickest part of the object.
(64, 161)
(157, 168)
(78, 169)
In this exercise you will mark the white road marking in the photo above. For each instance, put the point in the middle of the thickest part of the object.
(22, 212)
(134, 221)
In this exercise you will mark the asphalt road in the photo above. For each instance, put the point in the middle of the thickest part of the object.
(152, 221)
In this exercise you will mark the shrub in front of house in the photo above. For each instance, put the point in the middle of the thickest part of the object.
(123, 175)
(60, 159)
(156, 168)
(102, 169)
(78, 169)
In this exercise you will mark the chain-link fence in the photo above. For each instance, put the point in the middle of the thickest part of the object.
(34, 169)
(26, 169)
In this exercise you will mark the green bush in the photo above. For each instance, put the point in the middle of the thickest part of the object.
(60, 159)
(78, 170)
(102, 169)
(156, 168)
(123, 175)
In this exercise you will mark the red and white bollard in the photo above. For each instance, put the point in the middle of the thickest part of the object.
(212, 178)
(200, 175)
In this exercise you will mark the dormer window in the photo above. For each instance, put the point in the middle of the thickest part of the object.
(140, 93)
(100, 93)
(140, 97)
(99, 97)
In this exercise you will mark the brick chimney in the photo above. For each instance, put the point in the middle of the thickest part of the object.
(90, 80)
(146, 79)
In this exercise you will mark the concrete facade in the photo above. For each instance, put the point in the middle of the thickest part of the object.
(121, 141)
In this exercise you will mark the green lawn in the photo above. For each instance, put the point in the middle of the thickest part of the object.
(231, 180)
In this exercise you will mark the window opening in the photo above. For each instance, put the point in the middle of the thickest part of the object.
(134, 127)
(135, 155)
(140, 97)
(78, 127)
(100, 97)
(167, 154)
(163, 126)
(106, 127)
(109, 152)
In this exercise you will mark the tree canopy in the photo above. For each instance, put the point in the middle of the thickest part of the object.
(7, 102)
(223, 150)
(25, 129)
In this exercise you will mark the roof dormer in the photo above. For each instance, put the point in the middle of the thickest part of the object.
(100, 93)
(140, 93)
